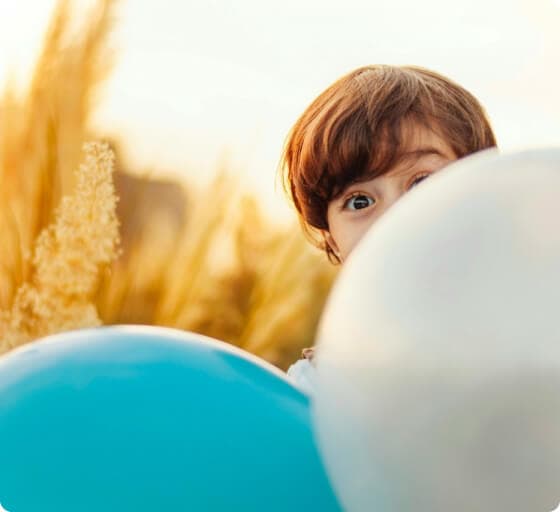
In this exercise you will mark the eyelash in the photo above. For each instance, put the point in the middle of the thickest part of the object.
(420, 176)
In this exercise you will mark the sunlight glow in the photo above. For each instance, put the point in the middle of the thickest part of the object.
(198, 80)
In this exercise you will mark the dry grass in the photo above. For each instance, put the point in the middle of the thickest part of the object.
(41, 136)
(215, 266)
(226, 273)
(67, 258)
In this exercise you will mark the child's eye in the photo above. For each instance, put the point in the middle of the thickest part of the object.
(358, 202)
(418, 179)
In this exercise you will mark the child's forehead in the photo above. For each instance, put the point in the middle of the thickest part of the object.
(417, 137)
(417, 142)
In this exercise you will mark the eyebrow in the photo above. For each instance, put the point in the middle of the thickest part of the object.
(424, 151)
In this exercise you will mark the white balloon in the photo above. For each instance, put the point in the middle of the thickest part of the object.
(438, 384)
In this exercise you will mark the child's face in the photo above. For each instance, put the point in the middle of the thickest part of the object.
(361, 204)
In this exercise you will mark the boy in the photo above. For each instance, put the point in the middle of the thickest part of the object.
(365, 141)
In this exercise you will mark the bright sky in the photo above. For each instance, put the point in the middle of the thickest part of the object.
(199, 79)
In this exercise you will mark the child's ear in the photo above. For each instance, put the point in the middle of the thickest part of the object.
(329, 240)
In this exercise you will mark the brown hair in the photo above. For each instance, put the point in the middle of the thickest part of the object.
(354, 131)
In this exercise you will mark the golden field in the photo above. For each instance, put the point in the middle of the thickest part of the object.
(85, 242)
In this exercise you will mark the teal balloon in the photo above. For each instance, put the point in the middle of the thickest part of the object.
(145, 419)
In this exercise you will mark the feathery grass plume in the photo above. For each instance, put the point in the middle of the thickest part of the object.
(68, 257)
(41, 133)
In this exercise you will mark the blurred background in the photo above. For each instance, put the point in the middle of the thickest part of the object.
(196, 99)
